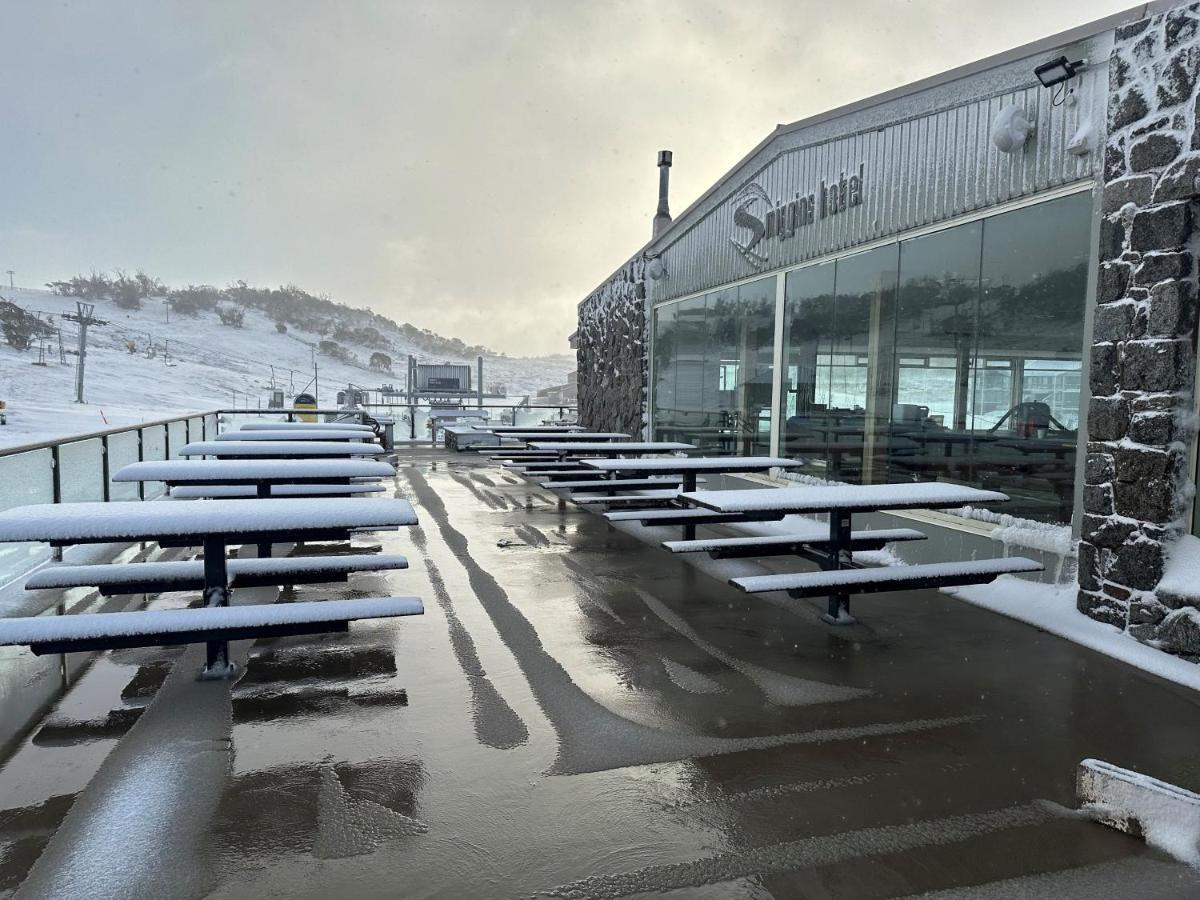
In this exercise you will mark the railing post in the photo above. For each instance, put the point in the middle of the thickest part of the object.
(141, 485)
(56, 472)
(104, 470)
(166, 441)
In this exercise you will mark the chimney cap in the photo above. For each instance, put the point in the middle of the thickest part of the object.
(664, 157)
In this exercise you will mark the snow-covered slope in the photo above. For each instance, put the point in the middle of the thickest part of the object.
(206, 365)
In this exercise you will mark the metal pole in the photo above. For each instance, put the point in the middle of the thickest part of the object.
(107, 495)
(479, 366)
(84, 320)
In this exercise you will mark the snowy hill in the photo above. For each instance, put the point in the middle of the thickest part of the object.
(141, 367)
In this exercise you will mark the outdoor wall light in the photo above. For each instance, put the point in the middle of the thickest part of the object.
(655, 268)
(1010, 129)
(1058, 70)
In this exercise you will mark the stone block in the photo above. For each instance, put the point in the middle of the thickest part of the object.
(1112, 238)
(1180, 181)
(1137, 189)
(1148, 501)
(1179, 27)
(1156, 429)
(1127, 33)
(1178, 78)
(1138, 565)
(1112, 323)
(1104, 367)
(1096, 606)
(1153, 125)
(1179, 632)
(1163, 228)
(1156, 365)
(1126, 110)
(1098, 499)
(1149, 366)
(1134, 463)
(1089, 567)
(1106, 532)
(1159, 267)
(1098, 468)
(1172, 309)
(1113, 282)
(1154, 152)
(1108, 418)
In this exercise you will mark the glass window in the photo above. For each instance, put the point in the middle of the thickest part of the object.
(665, 350)
(1028, 364)
(713, 370)
(951, 357)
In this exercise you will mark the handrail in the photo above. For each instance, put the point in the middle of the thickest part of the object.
(91, 435)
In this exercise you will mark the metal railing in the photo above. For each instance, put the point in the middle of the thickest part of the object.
(417, 416)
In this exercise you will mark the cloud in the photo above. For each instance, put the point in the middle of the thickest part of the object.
(475, 168)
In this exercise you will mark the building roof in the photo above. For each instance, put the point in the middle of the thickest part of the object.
(1072, 35)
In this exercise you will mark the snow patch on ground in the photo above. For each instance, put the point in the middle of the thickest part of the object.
(1052, 608)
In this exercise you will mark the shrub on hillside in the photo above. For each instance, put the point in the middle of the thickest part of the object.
(231, 316)
(380, 362)
(194, 298)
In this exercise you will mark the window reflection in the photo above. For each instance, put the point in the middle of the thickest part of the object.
(951, 357)
(713, 370)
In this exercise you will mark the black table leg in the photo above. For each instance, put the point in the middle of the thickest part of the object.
(264, 490)
(216, 594)
(837, 558)
(689, 484)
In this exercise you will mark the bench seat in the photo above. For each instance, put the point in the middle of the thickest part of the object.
(152, 577)
(683, 515)
(653, 498)
(553, 474)
(160, 628)
(887, 578)
(788, 544)
(611, 484)
(204, 491)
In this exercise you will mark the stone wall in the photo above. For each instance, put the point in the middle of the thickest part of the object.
(612, 353)
(1140, 422)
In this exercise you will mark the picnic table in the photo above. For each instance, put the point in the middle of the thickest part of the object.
(689, 468)
(539, 429)
(259, 473)
(840, 502)
(214, 525)
(309, 426)
(279, 449)
(298, 434)
(571, 436)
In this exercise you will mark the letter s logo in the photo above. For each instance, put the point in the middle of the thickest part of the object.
(746, 204)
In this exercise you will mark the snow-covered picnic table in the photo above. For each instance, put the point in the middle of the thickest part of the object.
(834, 554)
(220, 522)
(254, 471)
(280, 449)
(298, 434)
(213, 524)
(689, 467)
(561, 447)
(568, 436)
(539, 429)
(306, 426)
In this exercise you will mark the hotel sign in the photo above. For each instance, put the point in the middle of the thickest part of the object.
(757, 220)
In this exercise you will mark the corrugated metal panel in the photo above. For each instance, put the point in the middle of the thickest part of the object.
(918, 171)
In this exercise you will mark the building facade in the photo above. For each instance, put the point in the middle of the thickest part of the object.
(975, 278)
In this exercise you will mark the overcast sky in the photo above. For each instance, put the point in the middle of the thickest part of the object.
(475, 168)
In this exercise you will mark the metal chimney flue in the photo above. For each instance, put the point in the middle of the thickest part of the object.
(662, 218)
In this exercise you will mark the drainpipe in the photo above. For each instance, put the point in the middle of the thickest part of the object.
(662, 218)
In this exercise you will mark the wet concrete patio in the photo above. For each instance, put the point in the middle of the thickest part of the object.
(580, 714)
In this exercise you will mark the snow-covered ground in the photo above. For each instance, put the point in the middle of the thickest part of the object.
(207, 365)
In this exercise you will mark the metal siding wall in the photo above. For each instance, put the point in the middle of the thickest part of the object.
(918, 172)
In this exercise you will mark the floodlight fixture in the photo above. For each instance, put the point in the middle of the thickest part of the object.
(1058, 70)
